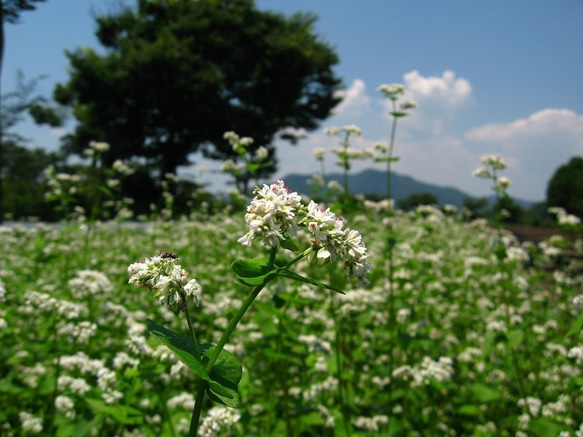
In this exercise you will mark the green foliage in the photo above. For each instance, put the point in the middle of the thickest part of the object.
(11, 9)
(565, 189)
(509, 328)
(414, 200)
(177, 75)
(22, 182)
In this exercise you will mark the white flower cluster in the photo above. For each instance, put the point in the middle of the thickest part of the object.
(563, 218)
(391, 91)
(89, 283)
(273, 213)
(217, 421)
(30, 424)
(167, 279)
(372, 424)
(491, 164)
(426, 372)
(346, 131)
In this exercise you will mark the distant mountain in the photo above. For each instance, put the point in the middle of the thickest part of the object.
(374, 182)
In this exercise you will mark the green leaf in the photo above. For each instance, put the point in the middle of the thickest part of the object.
(252, 272)
(289, 244)
(398, 114)
(121, 413)
(515, 339)
(223, 380)
(484, 393)
(469, 410)
(225, 377)
(182, 346)
(292, 275)
(546, 427)
(386, 159)
(577, 326)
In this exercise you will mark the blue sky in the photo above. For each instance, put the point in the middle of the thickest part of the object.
(489, 77)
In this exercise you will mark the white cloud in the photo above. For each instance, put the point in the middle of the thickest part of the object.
(440, 99)
(355, 101)
(534, 147)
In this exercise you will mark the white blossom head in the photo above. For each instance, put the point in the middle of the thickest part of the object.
(169, 282)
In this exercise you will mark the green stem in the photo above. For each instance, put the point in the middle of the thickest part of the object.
(391, 146)
(191, 328)
(195, 419)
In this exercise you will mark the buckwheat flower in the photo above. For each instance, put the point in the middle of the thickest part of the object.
(271, 214)
(30, 423)
(482, 173)
(261, 153)
(217, 421)
(169, 282)
(183, 401)
(391, 91)
(408, 104)
(332, 130)
(381, 146)
(98, 146)
(65, 405)
(89, 283)
(494, 161)
(318, 153)
(330, 241)
(503, 182)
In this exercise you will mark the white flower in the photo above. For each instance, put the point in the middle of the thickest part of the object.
(99, 147)
(261, 153)
(494, 161)
(503, 182)
(482, 173)
(168, 281)
(271, 214)
(391, 91)
(318, 153)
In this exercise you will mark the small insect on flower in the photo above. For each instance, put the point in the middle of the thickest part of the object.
(168, 255)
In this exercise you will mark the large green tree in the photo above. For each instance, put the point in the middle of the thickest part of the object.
(177, 74)
(10, 13)
(565, 189)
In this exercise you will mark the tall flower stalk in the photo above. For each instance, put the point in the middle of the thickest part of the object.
(392, 92)
(274, 216)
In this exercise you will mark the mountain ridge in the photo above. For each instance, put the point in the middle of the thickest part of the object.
(370, 181)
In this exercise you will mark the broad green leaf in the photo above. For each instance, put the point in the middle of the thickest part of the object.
(252, 272)
(398, 114)
(515, 339)
(289, 244)
(577, 326)
(484, 393)
(225, 377)
(546, 427)
(469, 410)
(182, 346)
(292, 275)
(121, 413)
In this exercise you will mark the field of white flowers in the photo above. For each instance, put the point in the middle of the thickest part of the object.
(461, 331)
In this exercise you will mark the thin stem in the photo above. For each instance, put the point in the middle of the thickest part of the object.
(191, 328)
(235, 320)
(195, 420)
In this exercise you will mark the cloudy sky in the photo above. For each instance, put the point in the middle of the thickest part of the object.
(493, 77)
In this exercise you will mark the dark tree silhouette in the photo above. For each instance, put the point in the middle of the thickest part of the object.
(176, 75)
(565, 189)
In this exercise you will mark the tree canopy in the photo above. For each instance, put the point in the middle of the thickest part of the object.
(565, 189)
(177, 74)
